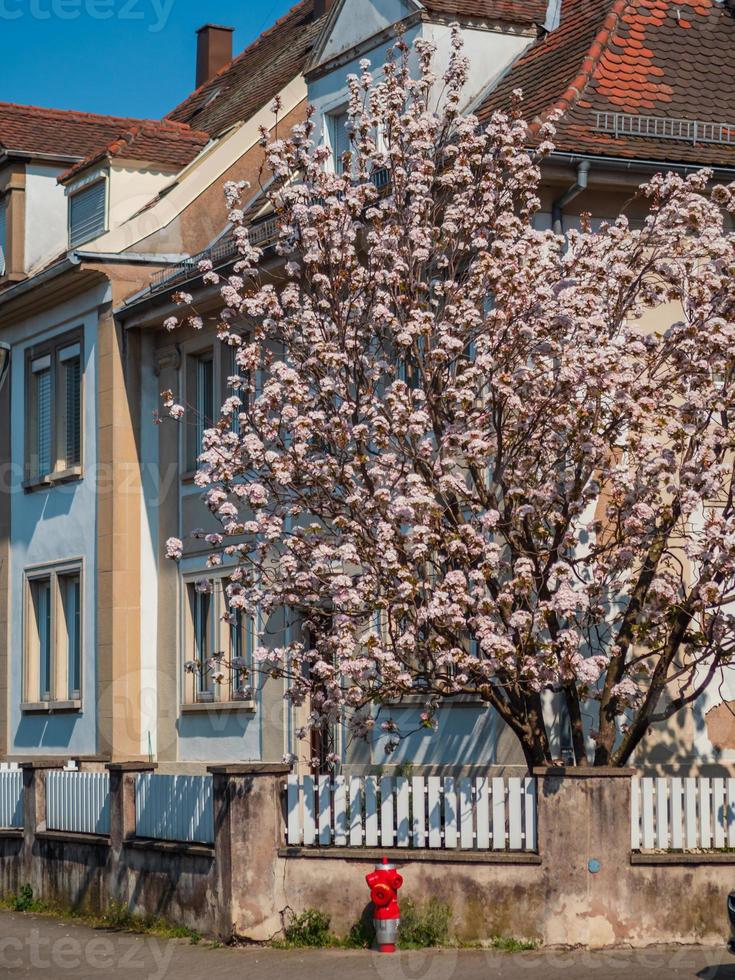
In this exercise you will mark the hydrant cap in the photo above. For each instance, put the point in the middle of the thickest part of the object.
(385, 865)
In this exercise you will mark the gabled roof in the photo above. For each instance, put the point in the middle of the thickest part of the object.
(68, 135)
(653, 66)
(253, 79)
(168, 145)
(512, 11)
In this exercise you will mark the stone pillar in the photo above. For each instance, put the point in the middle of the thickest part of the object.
(34, 819)
(122, 821)
(584, 842)
(248, 829)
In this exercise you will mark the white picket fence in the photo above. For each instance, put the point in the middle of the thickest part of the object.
(682, 814)
(11, 796)
(78, 802)
(177, 808)
(479, 813)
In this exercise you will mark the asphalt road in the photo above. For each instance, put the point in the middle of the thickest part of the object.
(40, 947)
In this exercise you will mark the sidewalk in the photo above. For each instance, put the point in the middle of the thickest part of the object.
(40, 947)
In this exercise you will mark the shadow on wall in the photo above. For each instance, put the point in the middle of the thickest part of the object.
(696, 741)
(44, 731)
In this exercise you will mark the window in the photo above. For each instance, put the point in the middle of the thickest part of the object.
(218, 654)
(88, 212)
(202, 412)
(207, 388)
(54, 408)
(53, 636)
(71, 604)
(202, 641)
(339, 138)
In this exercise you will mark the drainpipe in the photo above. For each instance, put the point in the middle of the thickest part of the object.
(557, 208)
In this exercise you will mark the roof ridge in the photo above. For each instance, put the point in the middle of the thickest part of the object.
(245, 51)
(603, 37)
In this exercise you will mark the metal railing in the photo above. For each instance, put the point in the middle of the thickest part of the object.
(176, 808)
(664, 128)
(78, 802)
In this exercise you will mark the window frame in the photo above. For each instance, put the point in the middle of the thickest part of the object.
(53, 348)
(221, 358)
(337, 120)
(226, 694)
(60, 696)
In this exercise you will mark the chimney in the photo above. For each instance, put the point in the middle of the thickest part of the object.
(214, 50)
(322, 7)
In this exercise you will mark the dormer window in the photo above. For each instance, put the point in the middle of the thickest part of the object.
(88, 211)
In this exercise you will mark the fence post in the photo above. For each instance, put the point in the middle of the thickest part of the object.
(34, 819)
(122, 821)
(248, 830)
(584, 843)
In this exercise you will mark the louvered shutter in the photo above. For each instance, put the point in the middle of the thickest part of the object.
(43, 420)
(73, 434)
(87, 213)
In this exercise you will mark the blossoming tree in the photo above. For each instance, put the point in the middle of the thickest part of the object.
(465, 459)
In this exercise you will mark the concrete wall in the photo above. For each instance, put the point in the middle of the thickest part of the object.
(583, 887)
(555, 898)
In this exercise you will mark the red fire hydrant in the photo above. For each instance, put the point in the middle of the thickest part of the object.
(384, 883)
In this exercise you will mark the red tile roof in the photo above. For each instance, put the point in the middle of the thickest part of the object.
(642, 58)
(513, 11)
(252, 79)
(63, 134)
(169, 145)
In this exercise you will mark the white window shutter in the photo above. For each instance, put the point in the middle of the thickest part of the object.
(87, 217)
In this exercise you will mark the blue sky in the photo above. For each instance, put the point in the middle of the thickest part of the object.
(122, 57)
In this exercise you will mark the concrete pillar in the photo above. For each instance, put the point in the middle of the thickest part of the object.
(122, 821)
(584, 843)
(249, 829)
(34, 818)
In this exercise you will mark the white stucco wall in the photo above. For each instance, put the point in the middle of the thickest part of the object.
(54, 525)
(360, 20)
(130, 190)
(46, 231)
(490, 54)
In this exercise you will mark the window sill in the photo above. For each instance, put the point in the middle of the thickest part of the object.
(50, 707)
(52, 479)
(217, 706)
(188, 477)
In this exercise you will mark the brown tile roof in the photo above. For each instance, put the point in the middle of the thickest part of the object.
(171, 145)
(514, 11)
(63, 134)
(642, 58)
(252, 79)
